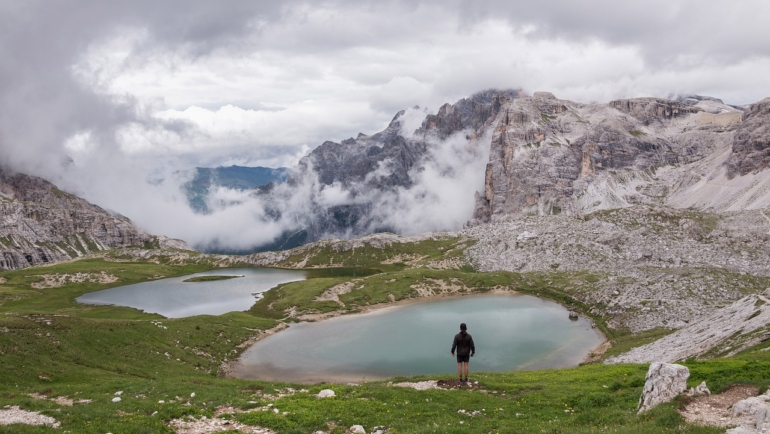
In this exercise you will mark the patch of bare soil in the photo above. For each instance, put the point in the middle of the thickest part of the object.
(457, 384)
(59, 280)
(60, 400)
(716, 410)
(333, 293)
(595, 356)
(206, 425)
(432, 287)
(446, 264)
(438, 384)
(405, 258)
(419, 385)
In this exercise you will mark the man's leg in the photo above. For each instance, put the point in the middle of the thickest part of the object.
(460, 370)
(466, 369)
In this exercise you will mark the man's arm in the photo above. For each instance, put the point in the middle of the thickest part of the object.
(454, 345)
(473, 347)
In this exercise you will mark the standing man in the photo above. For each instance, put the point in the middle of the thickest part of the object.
(465, 349)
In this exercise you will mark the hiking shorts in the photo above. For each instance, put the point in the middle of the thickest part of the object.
(465, 358)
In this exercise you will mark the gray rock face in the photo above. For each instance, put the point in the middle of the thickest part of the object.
(550, 156)
(663, 383)
(751, 146)
(653, 110)
(40, 223)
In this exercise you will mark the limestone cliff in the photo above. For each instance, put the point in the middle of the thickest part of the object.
(551, 156)
(41, 224)
(751, 145)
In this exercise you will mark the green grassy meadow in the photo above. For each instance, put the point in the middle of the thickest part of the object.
(52, 346)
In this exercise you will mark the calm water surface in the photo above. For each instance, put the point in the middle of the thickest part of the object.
(174, 298)
(510, 332)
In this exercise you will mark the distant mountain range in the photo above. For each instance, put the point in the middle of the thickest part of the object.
(204, 179)
(538, 155)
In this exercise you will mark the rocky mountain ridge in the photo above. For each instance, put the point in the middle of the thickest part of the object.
(550, 156)
(41, 224)
(366, 173)
(547, 156)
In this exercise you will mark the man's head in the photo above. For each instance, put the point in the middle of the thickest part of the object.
(463, 327)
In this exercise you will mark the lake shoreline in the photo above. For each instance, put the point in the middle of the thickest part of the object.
(228, 368)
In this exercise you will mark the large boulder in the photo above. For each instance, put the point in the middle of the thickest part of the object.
(756, 407)
(664, 382)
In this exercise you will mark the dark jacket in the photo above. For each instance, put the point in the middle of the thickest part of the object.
(464, 344)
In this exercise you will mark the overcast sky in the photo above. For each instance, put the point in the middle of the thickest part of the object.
(134, 89)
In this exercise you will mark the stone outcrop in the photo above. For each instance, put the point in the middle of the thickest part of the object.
(663, 383)
(653, 110)
(751, 145)
(551, 156)
(701, 389)
(41, 224)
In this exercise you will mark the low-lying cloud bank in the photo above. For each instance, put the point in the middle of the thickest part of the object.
(438, 196)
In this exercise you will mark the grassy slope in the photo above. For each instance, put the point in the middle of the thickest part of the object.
(49, 344)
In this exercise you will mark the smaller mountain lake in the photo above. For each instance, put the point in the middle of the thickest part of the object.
(174, 298)
(510, 332)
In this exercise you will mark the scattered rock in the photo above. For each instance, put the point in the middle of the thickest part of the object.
(716, 410)
(206, 425)
(469, 413)
(326, 393)
(701, 389)
(420, 385)
(116, 399)
(456, 384)
(664, 381)
(573, 315)
(14, 415)
(751, 406)
(357, 429)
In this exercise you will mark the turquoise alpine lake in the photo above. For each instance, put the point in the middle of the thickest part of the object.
(174, 298)
(511, 332)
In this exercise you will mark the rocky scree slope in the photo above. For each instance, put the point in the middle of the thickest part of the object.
(652, 266)
(41, 224)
